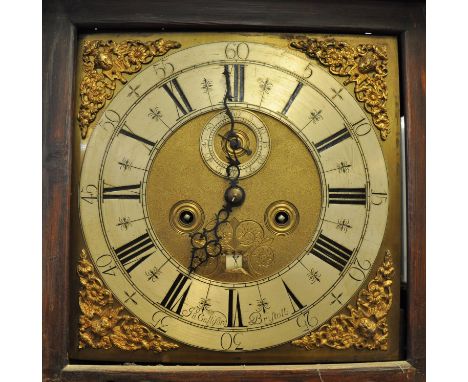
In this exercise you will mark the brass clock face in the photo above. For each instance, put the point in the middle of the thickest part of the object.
(296, 226)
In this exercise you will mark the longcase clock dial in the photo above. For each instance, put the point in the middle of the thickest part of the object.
(264, 150)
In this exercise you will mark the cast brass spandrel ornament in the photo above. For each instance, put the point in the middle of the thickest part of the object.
(103, 323)
(366, 65)
(105, 62)
(366, 325)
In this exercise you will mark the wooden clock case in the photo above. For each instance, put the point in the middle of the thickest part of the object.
(64, 20)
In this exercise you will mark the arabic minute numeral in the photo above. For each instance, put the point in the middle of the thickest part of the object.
(112, 119)
(308, 71)
(163, 69)
(306, 321)
(378, 198)
(356, 272)
(361, 127)
(231, 341)
(106, 265)
(160, 321)
(237, 51)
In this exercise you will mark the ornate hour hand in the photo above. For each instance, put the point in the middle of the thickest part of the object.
(207, 243)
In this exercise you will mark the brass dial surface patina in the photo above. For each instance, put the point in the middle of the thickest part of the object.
(313, 199)
(290, 173)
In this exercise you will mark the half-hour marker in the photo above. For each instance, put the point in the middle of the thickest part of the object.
(120, 192)
(153, 274)
(239, 81)
(175, 297)
(265, 86)
(137, 137)
(134, 252)
(342, 167)
(292, 98)
(336, 298)
(177, 95)
(234, 310)
(126, 164)
(346, 195)
(295, 303)
(156, 114)
(337, 93)
(315, 116)
(89, 193)
(125, 222)
(361, 127)
(333, 139)
(331, 252)
(341, 225)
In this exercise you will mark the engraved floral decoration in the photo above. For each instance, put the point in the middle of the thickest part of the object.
(365, 65)
(365, 327)
(246, 250)
(105, 62)
(103, 324)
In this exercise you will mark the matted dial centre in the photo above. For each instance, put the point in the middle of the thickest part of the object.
(254, 245)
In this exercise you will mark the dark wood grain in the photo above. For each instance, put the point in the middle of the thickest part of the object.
(273, 15)
(382, 372)
(62, 20)
(58, 69)
(414, 79)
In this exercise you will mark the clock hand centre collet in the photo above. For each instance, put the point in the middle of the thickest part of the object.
(234, 195)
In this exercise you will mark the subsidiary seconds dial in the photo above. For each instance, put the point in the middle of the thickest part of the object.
(308, 231)
(252, 134)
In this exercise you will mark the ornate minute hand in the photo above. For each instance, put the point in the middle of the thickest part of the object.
(207, 243)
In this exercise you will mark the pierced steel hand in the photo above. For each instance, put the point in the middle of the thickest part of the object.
(207, 243)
